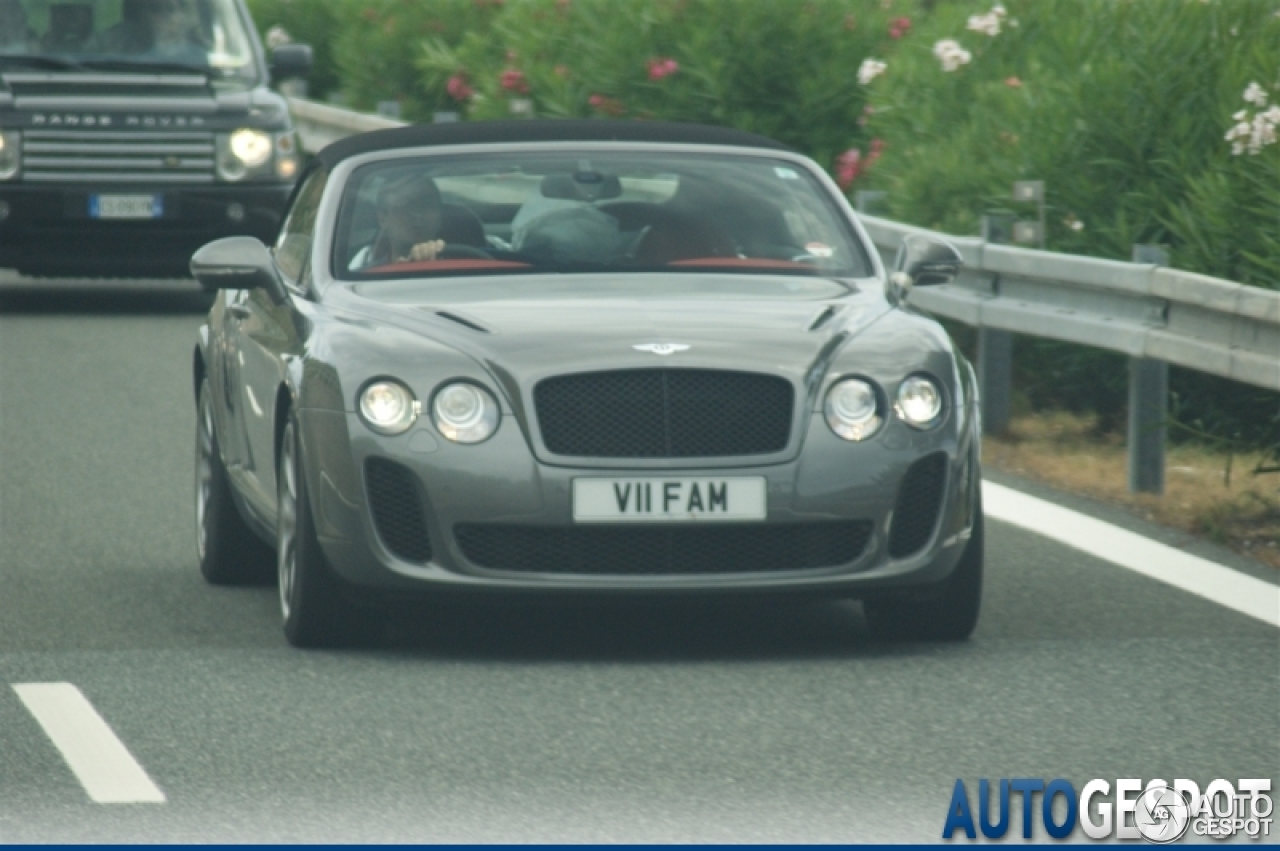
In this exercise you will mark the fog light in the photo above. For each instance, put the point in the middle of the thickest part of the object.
(235, 212)
(4, 210)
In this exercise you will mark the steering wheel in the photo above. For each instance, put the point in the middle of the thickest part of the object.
(462, 251)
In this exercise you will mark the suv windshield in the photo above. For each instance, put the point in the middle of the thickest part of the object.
(591, 211)
(207, 36)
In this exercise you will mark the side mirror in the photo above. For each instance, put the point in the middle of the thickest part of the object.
(238, 263)
(923, 261)
(290, 60)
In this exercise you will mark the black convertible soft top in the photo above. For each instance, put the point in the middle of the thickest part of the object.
(552, 130)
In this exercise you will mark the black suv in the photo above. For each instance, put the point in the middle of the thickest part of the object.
(134, 131)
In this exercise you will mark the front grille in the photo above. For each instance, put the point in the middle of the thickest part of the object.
(397, 508)
(915, 512)
(662, 550)
(664, 413)
(117, 157)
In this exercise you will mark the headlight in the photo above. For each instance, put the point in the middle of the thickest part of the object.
(244, 154)
(388, 407)
(464, 412)
(919, 402)
(251, 146)
(853, 409)
(10, 143)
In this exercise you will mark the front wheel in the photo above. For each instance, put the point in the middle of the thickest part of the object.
(314, 602)
(950, 614)
(227, 549)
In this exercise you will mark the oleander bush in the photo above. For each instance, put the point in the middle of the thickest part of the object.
(1124, 110)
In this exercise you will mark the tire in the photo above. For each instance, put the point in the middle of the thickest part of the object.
(948, 614)
(228, 551)
(314, 602)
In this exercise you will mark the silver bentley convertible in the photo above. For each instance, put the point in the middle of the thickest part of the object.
(581, 358)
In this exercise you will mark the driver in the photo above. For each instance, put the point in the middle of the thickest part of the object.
(409, 223)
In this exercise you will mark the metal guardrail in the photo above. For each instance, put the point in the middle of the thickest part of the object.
(319, 124)
(1138, 309)
(1155, 315)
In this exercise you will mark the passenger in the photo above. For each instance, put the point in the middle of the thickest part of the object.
(164, 29)
(409, 224)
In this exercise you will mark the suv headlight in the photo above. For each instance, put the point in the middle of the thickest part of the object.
(465, 412)
(388, 407)
(10, 160)
(243, 154)
(853, 409)
(919, 402)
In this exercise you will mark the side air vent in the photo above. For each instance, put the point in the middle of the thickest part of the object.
(915, 513)
(398, 511)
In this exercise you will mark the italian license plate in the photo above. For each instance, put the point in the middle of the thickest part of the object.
(126, 206)
(664, 500)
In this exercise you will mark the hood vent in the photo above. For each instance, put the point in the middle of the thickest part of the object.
(462, 320)
(824, 316)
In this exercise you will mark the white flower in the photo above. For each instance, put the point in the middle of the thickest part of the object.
(1255, 95)
(951, 54)
(988, 24)
(277, 36)
(869, 70)
(1242, 115)
(998, 10)
(1263, 133)
(1273, 114)
(1077, 225)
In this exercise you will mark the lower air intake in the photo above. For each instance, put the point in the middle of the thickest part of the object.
(662, 550)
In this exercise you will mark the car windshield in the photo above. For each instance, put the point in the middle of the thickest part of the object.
(207, 36)
(590, 211)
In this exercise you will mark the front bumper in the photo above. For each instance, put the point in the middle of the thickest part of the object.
(500, 482)
(48, 229)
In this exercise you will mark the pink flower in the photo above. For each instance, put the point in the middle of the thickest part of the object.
(514, 81)
(607, 105)
(848, 168)
(852, 164)
(458, 87)
(659, 68)
(898, 27)
(1013, 82)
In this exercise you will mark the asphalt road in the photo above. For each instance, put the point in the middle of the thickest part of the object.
(782, 723)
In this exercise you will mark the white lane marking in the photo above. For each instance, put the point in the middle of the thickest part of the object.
(105, 768)
(1170, 565)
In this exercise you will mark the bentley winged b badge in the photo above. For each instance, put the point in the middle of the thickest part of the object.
(663, 349)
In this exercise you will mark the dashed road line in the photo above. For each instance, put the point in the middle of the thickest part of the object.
(1204, 578)
(101, 762)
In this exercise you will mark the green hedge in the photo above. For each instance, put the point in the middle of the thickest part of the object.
(1120, 106)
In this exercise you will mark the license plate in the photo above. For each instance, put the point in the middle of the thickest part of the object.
(666, 500)
(126, 206)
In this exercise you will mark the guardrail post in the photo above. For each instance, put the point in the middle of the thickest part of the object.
(869, 200)
(1148, 404)
(995, 350)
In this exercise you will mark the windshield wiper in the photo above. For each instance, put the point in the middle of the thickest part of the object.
(145, 65)
(52, 63)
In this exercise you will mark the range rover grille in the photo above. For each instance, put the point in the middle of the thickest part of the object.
(65, 156)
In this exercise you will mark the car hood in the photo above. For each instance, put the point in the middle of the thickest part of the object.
(523, 328)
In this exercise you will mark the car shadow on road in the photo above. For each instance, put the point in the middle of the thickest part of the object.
(642, 631)
(109, 299)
